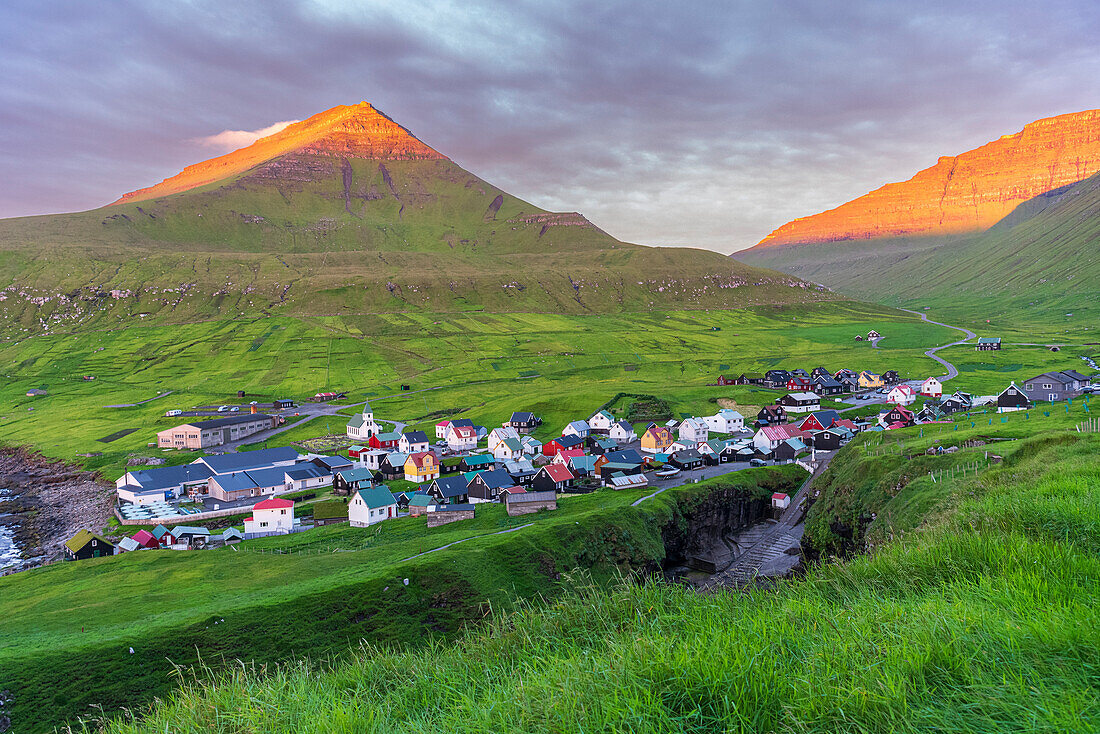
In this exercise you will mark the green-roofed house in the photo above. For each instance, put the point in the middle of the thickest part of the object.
(370, 506)
(989, 343)
(349, 481)
(508, 449)
(86, 544)
(419, 504)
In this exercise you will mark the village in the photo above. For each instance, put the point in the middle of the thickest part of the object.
(445, 476)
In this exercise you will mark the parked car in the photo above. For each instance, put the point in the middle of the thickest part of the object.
(234, 409)
(223, 408)
(255, 402)
(757, 462)
(174, 413)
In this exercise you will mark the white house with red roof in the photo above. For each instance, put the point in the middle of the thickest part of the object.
(781, 501)
(461, 438)
(566, 455)
(768, 437)
(275, 515)
(441, 429)
(931, 388)
(902, 395)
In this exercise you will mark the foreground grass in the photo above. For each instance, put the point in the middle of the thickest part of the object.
(984, 620)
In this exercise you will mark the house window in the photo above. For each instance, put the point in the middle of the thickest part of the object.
(1048, 386)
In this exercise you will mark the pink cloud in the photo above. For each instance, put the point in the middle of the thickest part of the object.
(228, 140)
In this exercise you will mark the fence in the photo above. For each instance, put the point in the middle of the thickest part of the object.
(958, 472)
(1092, 425)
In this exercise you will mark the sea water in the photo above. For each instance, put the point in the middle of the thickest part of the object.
(10, 557)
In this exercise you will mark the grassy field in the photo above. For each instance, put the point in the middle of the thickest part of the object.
(68, 627)
(981, 617)
(484, 366)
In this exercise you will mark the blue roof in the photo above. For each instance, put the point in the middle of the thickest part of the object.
(228, 463)
(235, 482)
(455, 508)
(269, 477)
(452, 486)
(626, 456)
(162, 477)
(497, 478)
(479, 459)
(305, 471)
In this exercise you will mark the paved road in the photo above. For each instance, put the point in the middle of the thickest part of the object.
(689, 476)
(140, 402)
(951, 371)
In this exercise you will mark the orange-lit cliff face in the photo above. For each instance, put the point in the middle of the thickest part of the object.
(963, 193)
(357, 131)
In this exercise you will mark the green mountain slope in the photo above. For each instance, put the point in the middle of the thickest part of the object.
(1038, 263)
(347, 212)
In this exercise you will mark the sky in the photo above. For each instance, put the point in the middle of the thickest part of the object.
(703, 124)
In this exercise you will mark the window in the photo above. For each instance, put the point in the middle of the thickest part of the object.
(1048, 386)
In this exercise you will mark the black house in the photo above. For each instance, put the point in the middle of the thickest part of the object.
(826, 385)
(486, 485)
(523, 421)
(772, 415)
(891, 377)
(552, 477)
(1012, 398)
(820, 372)
(827, 440)
(449, 490)
(898, 414)
(86, 544)
(777, 378)
(686, 459)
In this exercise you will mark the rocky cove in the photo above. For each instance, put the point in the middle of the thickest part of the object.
(43, 503)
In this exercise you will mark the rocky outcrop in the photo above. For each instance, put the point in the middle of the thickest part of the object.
(356, 131)
(964, 193)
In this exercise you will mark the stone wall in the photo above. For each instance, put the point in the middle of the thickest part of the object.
(435, 519)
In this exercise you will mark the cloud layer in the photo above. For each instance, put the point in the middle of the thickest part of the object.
(705, 123)
(228, 140)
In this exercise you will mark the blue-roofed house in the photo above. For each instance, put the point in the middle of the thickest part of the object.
(158, 484)
(579, 429)
(229, 463)
(307, 475)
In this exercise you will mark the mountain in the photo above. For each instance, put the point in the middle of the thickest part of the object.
(345, 212)
(965, 193)
(1038, 264)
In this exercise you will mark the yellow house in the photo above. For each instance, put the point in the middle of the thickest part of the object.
(421, 467)
(657, 439)
(870, 379)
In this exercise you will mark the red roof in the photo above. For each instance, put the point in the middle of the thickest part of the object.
(144, 537)
(559, 472)
(464, 431)
(570, 453)
(444, 424)
(845, 423)
(275, 503)
(514, 490)
(782, 433)
(894, 426)
(418, 458)
(779, 496)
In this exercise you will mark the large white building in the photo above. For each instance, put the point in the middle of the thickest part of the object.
(725, 420)
(363, 426)
(693, 431)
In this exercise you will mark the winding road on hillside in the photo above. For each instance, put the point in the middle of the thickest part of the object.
(951, 371)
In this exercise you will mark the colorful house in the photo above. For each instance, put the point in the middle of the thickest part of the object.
(657, 439)
(370, 506)
(421, 467)
(901, 395)
(870, 380)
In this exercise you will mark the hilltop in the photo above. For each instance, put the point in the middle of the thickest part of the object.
(345, 212)
(1040, 263)
(963, 193)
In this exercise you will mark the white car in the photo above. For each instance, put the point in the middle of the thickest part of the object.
(174, 413)
(234, 409)
(223, 408)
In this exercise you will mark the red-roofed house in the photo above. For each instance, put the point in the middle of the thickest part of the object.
(901, 395)
(780, 501)
(768, 437)
(461, 438)
(441, 429)
(421, 467)
(563, 456)
(146, 539)
(555, 477)
(271, 516)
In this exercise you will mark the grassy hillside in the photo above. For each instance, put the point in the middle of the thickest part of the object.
(1026, 273)
(68, 628)
(377, 237)
(482, 366)
(982, 619)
